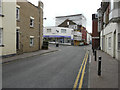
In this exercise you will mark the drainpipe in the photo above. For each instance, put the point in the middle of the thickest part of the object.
(40, 8)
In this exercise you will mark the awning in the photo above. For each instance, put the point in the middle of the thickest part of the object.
(56, 36)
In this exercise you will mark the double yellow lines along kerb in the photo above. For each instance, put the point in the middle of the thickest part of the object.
(79, 80)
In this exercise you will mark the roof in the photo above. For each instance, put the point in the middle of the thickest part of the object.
(27, 2)
(69, 15)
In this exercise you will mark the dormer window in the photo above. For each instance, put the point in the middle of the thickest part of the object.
(68, 23)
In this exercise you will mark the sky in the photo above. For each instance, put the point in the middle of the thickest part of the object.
(53, 8)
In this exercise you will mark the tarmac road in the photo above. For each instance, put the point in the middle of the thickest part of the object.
(53, 70)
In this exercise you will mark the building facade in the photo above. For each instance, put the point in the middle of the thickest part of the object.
(29, 26)
(84, 35)
(7, 28)
(76, 22)
(79, 19)
(95, 33)
(89, 38)
(110, 28)
(58, 34)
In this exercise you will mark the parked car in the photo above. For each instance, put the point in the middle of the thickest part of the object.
(81, 44)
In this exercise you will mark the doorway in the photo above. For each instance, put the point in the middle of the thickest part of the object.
(114, 49)
(17, 39)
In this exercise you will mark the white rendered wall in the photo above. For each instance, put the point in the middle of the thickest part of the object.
(54, 32)
(79, 20)
(109, 32)
(9, 27)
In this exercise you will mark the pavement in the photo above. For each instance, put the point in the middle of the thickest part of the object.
(109, 72)
(26, 55)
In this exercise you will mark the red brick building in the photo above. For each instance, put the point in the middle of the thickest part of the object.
(84, 34)
(95, 33)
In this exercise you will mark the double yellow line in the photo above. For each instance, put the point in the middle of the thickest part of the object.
(79, 80)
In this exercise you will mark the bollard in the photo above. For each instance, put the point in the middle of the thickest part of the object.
(99, 66)
(57, 45)
(95, 53)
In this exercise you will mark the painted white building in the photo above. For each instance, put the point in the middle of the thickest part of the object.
(89, 38)
(7, 27)
(58, 34)
(110, 35)
(79, 19)
(77, 36)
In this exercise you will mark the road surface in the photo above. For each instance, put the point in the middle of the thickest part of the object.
(54, 70)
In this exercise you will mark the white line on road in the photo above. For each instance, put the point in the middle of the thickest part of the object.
(90, 59)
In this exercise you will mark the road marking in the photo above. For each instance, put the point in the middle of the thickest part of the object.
(83, 72)
(78, 76)
(90, 59)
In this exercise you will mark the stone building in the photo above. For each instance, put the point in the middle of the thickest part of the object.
(29, 26)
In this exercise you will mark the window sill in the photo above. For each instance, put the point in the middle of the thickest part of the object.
(18, 20)
(31, 45)
(109, 48)
(31, 26)
(2, 45)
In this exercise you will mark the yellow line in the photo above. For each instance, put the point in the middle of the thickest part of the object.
(76, 81)
(81, 80)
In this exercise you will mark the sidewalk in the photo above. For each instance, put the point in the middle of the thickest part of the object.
(109, 74)
(30, 54)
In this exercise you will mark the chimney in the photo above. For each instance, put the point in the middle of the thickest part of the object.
(40, 4)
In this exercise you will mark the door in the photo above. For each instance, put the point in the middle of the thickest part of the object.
(17, 39)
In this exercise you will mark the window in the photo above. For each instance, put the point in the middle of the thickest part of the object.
(31, 40)
(0, 36)
(76, 27)
(63, 30)
(96, 16)
(119, 41)
(111, 5)
(68, 23)
(119, 4)
(0, 6)
(72, 32)
(109, 42)
(17, 13)
(57, 31)
(31, 22)
(48, 30)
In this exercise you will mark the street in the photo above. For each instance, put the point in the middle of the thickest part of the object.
(52, 70)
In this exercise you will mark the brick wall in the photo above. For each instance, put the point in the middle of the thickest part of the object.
(95, 33)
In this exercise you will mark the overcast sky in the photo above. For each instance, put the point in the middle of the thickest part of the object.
(53, 8)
